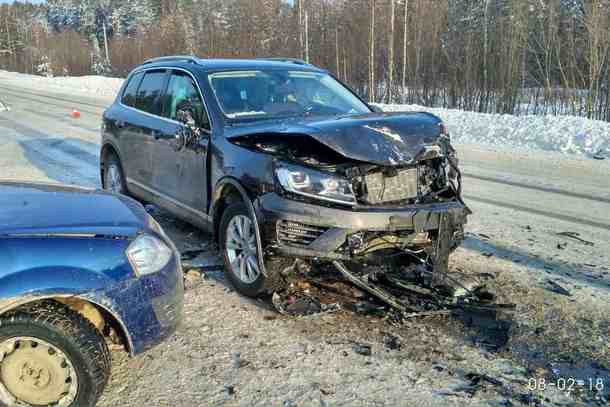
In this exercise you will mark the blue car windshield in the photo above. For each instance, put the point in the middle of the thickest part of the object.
(268, 94)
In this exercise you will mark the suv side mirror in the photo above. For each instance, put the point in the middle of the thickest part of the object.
(185, 113)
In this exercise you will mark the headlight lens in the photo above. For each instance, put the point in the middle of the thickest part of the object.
(148, 254)
(315, 184)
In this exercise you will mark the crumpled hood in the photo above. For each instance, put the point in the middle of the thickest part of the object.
(28, 209)
(379, 138)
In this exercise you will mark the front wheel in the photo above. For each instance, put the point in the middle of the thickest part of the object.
(239, 248)
(51, 355)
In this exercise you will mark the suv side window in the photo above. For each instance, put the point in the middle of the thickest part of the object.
(149, 92)
(129, 95)
(181, 90)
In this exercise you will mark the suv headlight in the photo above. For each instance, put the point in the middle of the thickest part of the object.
(315, 184)
(148, 254)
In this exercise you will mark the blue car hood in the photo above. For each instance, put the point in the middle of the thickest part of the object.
(34, 209)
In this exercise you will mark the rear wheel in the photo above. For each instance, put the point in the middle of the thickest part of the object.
(51, 355)
(114, 181)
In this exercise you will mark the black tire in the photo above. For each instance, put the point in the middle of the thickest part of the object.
(262, 284)
(112, 161)
(72, 334)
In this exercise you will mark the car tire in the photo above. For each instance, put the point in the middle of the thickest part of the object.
(33, 339)
(114, 179)
(244, 281)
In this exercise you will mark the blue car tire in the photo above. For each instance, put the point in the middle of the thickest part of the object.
(51, 355)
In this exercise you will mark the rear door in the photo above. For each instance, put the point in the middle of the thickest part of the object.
(184, 170)
(144, 126)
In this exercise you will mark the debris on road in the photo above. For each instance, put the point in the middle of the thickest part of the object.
(238, 362)
(75, 114)
(556, 288)
(300, 304)
(362, 349)
(190, 254)
(575, 236)
(392, 342)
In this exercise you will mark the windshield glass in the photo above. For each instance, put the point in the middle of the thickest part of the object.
(269, 94)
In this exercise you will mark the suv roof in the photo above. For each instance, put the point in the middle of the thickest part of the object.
(222, 64)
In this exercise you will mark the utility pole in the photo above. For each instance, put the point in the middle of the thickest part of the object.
(391, 53)
(106, 41)
(372, 55)
(301, 28)
(404, 54)
(337, 50)
(306, 36)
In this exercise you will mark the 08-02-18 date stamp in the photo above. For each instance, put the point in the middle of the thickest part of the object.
(569, 385)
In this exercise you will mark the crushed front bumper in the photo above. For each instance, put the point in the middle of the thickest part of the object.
(327, 228)
(149, 308)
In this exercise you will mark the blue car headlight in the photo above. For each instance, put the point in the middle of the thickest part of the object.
(148, 254)
(315, 184)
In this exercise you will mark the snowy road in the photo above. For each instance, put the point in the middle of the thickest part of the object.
(39, 136)
(521, 201)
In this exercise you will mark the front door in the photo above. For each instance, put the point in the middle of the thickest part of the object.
(185, 167)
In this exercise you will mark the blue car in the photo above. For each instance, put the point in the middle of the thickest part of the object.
(78, 268)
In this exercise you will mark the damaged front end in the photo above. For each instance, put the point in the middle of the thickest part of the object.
(401, 211)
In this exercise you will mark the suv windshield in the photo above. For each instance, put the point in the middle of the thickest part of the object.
(279, 93)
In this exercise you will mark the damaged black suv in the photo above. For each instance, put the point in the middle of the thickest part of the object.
(285, 165)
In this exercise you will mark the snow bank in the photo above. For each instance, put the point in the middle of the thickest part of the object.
(99, 86)
(567, 134)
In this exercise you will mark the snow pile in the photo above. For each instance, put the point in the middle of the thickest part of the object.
(567, 134)
(91, 85)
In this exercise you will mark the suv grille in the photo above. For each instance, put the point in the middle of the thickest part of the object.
(298, 233)
(383, 188)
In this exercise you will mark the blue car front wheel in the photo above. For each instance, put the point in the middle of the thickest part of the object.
(51, 355)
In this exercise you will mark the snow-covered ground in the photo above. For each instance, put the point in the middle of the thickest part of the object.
(79, 85)
(565, 134)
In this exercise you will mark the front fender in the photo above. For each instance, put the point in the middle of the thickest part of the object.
(34, 268)
(218, 191)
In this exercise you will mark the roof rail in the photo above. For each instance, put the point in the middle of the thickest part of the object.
(291, 60)
(185, 58)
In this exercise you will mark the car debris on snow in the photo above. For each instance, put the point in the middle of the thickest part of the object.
(556, 288)
(362, 349)
(576, 236)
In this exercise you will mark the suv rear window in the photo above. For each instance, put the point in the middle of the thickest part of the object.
(129, 96)
(150, 91)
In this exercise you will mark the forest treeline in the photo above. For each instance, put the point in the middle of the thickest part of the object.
(505, 56)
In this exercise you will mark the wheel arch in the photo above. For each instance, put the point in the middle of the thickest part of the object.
(73, 301)
(225, 191)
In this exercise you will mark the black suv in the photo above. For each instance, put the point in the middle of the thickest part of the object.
(285, 165)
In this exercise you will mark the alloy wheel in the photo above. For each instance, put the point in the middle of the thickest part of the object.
(241, 249)
(114, 182)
